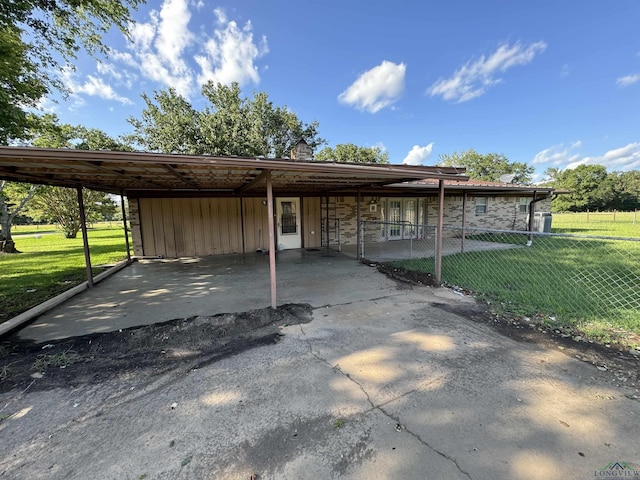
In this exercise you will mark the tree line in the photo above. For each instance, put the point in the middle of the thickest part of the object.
(591, 187)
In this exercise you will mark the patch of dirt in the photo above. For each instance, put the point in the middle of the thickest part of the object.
(149, 350)
(624, 366)
(404, 275)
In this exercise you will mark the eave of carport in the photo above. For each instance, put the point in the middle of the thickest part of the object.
(152, 174)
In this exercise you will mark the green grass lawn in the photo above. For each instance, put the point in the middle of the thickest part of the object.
(606, 224)
(51, 264)
(589, 285)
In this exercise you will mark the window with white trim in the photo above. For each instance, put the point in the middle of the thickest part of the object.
(523, 207)
(481, 205)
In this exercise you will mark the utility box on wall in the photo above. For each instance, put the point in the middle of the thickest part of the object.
(542, 222)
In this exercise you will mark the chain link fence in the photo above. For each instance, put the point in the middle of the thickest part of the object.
(574, 278)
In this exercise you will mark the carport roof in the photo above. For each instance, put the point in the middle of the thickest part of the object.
(142, 173)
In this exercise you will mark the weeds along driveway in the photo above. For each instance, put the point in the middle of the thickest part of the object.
(389, 386)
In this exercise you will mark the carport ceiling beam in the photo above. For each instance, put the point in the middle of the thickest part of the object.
(118, 172)
(173, 171)
(253, 183)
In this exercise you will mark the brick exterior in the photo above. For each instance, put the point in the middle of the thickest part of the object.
(502, 212)
(134, 221)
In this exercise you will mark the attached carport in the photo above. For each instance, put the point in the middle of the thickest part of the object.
(137, 174)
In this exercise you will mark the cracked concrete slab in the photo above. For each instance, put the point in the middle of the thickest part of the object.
(381, 385)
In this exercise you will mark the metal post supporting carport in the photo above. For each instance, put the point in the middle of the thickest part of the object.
(439, 232)
(126, 229)
(358, 225)
(85, 239)
(272, 240)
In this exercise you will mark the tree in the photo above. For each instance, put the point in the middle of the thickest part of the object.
(589, 188)
(20, 85)
(350, 153)
(229, 125)
(627, 190)
(13, 199)
(60, 205)
(488, 167)
(54, 203)
(37, 39)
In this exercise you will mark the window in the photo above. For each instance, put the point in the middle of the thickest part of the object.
(288, 218)
(523, 207)
(481, 205)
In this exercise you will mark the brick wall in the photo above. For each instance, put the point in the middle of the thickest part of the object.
(502, 213)
(134, 220)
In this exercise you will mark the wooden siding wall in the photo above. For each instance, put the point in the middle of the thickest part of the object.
(311, 222)
(186, 227)
(256, 224)
(183, 227)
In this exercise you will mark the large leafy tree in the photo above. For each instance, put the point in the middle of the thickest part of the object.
(230, 124)
(590, 187)
(489, 166)
(37, 39)
(350, 153)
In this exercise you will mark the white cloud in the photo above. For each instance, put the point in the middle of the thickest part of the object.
(557, 155)
(165, 50)
(417, 155)
(628, 80)
(93, 87)
(618, 159)
(475, 77)
(565, 71)
(230, 54)
(158, 46)
(173, 35)
(377, 88)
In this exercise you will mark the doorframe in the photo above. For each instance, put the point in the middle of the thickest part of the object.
(298, 214)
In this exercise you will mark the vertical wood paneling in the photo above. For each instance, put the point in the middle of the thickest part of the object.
(188, 223)
(205, 204)
(312, 222)
(256, 224)
(198, 232)
(169, 228)
(177, 211)
(145, 218)
(178, 227)
(158, 228)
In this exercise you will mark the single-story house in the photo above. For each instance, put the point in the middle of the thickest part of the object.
(191, 206)
(182, 205)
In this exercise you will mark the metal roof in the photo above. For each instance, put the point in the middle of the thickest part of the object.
(140, 173)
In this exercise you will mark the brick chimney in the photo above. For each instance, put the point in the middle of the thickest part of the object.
(302, 152)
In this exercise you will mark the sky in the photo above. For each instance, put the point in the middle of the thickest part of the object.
(546, 82)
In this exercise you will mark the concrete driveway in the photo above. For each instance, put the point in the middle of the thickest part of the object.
(384, 383)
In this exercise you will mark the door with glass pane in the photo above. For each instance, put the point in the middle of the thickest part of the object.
(288, 223)
(409, 217)
(394, 227)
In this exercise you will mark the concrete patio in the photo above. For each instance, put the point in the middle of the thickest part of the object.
(152, 291)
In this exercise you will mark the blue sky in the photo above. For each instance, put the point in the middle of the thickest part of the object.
(549, 83)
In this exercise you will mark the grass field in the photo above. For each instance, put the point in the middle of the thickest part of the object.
(590, 285)
(50, 264)
(611, 224)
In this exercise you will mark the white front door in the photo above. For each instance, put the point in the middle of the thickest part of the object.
(288, 222)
